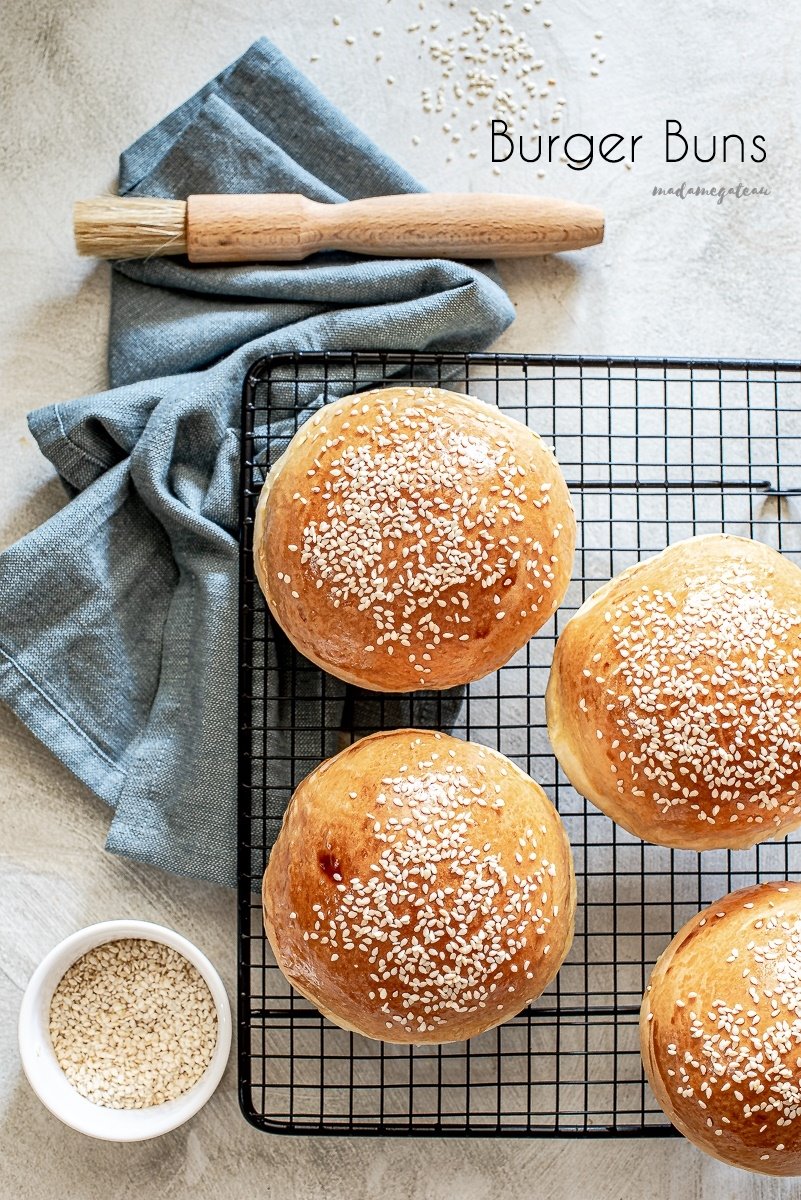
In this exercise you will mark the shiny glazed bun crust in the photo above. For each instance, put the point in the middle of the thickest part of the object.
(674, 701)
(421, 888)
(720, 1029)
(413, 538)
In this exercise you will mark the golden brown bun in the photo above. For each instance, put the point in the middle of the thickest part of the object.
(720, 1029)
(674, 701)
(421, 888)
(413, 538)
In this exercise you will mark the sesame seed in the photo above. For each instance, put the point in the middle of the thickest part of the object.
(702, 711)
(132, 1024)
(412, 510)
(738, 1050)
(468, 902)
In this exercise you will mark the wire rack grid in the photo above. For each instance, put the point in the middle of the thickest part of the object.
(653, 451)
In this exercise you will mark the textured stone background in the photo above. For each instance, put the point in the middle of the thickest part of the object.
(81, 78)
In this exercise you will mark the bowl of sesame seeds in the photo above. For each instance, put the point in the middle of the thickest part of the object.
(124, 1030)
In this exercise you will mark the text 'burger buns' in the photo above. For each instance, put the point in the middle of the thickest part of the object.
(421, 888)
(720, 1028)
(413, 538)
(674, 701)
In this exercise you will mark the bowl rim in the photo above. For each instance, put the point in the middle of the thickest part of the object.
(48, 1080)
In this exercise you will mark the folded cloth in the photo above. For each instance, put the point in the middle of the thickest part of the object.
(118, 616)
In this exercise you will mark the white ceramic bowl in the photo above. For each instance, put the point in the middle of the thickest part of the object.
(49, 1081)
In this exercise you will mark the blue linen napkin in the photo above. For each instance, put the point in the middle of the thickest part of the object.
(118, 616)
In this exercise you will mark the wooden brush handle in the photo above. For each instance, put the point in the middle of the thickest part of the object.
(286, 228)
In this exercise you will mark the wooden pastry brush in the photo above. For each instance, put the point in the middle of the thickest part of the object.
(287, 228)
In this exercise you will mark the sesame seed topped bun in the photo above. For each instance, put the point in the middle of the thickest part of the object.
(674, 701)
(720, 1029)
(421, 888)
(413, 538)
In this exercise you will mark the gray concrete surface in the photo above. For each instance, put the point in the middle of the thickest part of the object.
(80, 79)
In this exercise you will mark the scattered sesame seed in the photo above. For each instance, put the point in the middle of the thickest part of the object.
(483, 61)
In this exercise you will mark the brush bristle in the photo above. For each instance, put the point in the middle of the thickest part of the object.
(129, 227)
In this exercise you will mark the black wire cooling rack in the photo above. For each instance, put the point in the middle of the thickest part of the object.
(654, 451)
